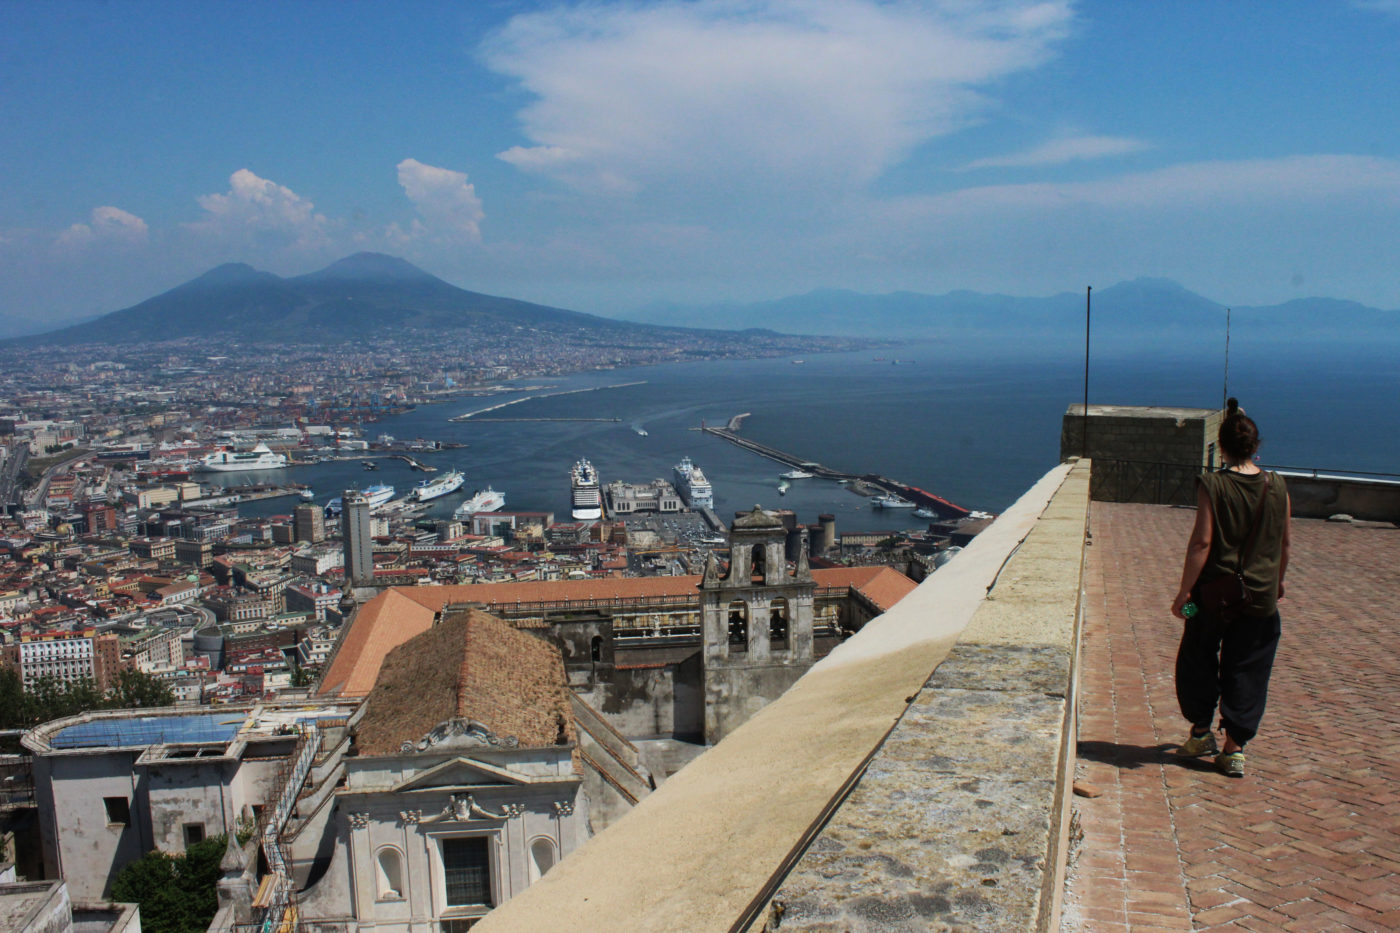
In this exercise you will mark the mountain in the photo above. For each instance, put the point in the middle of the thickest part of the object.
(1139, 316)
(361, 296)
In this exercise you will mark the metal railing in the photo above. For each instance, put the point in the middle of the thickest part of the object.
(275, 916)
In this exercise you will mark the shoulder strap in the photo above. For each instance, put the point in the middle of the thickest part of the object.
(1248, 550)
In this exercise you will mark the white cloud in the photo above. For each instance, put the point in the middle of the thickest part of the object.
(1289, 182)
(796, 94)
(260, 212)
(106, 225)
(444, 199)
(1060, 151)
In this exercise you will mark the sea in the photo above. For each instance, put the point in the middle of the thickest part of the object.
(977, 426)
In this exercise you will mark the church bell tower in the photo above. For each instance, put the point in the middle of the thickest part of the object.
(757, 623)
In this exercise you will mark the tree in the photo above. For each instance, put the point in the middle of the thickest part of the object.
(177, 893)
(136, 689)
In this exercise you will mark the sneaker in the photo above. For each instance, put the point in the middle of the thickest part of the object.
(1198, 746)
(1230, 764)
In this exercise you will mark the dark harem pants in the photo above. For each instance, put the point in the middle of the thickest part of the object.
(1226, 662)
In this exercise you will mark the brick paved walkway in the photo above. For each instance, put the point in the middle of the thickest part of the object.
(1310, 839)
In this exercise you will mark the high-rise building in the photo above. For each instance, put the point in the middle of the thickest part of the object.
(310, 526)
(358, 535)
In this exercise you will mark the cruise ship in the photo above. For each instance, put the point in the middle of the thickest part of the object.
(260, 457)
(692, 485)
(377, 495)
(440, 486)
(483, 500)
(587, 497)
(892, 501)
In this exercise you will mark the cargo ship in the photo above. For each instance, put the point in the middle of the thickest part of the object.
(483, 500)
(260, 457)
(692, 485)
(587, 498)
(440, 486)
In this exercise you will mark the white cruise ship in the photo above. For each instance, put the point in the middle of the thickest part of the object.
(692, 485)
(891, 501)
(377, 495)
(587, 497)
(483, 500)
(260, 457)
(439, 486)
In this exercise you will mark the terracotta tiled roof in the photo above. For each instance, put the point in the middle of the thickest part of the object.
(399, 613)
(472, 666)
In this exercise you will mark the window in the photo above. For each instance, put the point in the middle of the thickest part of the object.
(738, 627)
(194, 832)
(118, 810)
(778, 625)
(457, 924)
(466, 863)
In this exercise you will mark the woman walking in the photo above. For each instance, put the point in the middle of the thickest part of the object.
(1236, 559)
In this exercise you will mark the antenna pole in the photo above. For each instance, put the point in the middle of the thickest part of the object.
(1225, 393)
(1084, 451)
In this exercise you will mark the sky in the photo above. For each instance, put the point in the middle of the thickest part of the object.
(610, 154)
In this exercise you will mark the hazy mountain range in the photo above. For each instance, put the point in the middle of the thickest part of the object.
(370, 295)
(1140, 314)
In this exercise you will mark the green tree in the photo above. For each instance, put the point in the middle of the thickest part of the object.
(177, 893)
(135, 689)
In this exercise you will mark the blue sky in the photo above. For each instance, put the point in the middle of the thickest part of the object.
(607, 154)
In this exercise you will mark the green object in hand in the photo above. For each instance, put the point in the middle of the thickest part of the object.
(1190, 609)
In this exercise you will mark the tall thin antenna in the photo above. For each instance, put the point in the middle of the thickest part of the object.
(1084, 451)
(1225, 392)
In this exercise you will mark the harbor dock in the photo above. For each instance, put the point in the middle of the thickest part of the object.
(914, 494)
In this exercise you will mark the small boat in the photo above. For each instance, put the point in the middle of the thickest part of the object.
(925, 513)
(369, 464)
(783, 486)
(307, 494)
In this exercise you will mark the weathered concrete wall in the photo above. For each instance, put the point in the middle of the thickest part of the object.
(189, 794)
(90, 850)
(1143, 454)
(1324, 496)
(648, 701)
(734, 695)
(36, 907)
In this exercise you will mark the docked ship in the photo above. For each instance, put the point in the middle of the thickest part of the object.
(892, 501)
(439, 486)
(483, 500)
(260, 457)
(797, 474)
(587, 497)
(377, 496)
(692, 485)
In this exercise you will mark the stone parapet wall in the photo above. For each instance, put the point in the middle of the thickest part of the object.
(1143, 454)
(959, 821)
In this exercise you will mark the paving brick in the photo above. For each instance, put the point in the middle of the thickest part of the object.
(1310, 839)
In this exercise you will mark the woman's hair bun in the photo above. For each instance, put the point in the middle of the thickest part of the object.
(1232, 406)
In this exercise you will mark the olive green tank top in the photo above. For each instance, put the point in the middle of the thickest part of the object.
(1235, 500)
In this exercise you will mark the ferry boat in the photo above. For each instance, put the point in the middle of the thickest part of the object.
(377, 495)
(925, 513)
(260, 457)
(450, 481)
(797, 474)
(308, 494)
(692, 485)
(483, 500)
(587, 497)
(892, 501)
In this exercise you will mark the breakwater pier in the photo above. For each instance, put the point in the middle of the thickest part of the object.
(914, 494)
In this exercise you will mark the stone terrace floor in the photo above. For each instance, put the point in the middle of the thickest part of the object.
(1310, 838)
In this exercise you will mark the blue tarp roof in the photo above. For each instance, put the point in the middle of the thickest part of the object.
(150, 730)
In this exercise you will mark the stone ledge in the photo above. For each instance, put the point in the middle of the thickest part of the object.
(957, 823)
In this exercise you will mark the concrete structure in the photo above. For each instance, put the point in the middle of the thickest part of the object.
(111, 786)
(310, 523)
(758, 624)
(1143, 454)
(45, 907)
(656, 496)
(358, 536)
